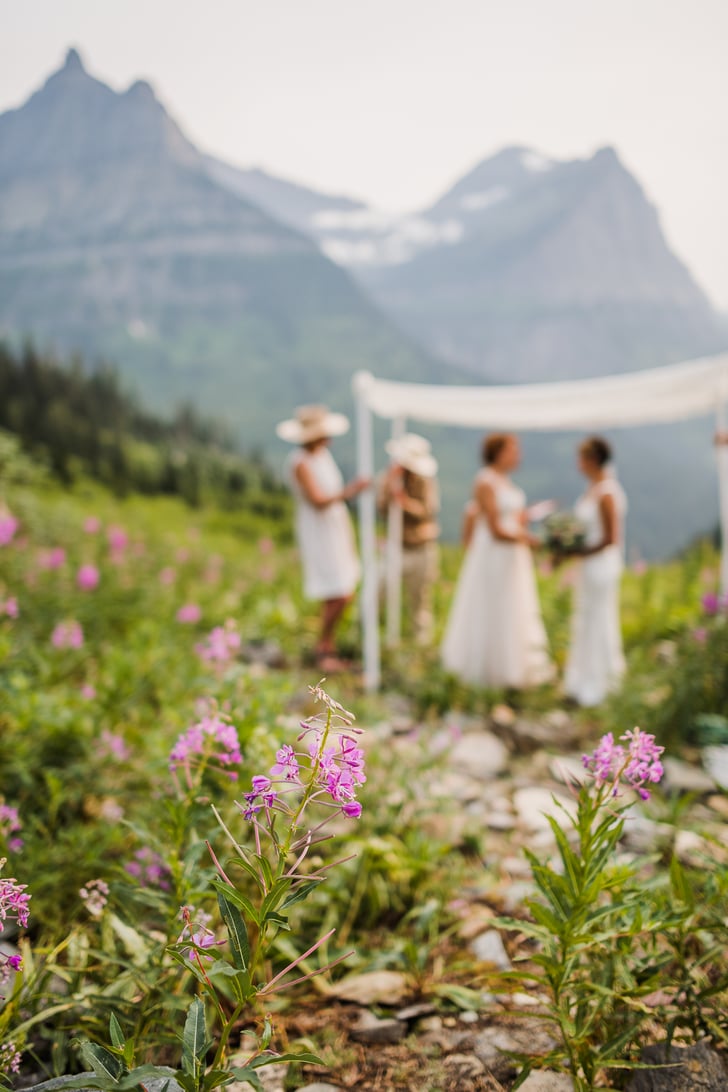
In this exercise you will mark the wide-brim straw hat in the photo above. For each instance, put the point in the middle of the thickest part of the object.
(413, 453)
(312, 423)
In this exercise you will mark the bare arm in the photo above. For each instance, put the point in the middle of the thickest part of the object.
(610, 526)
(486, 500)
(312, 493)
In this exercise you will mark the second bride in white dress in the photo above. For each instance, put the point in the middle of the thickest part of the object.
(495, 636)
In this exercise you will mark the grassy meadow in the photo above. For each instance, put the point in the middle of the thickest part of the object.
(107, 607)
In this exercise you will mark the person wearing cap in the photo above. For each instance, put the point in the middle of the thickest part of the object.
(410, 482)
(324, 530)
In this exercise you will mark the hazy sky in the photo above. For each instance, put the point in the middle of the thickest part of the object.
(392, 100)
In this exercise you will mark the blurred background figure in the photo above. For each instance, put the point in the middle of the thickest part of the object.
(411, 483)
(495, 636)
(323, 527)
(596, 661)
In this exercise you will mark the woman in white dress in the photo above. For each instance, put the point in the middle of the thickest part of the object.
(323, 528)
(595, 662)
(495, 635)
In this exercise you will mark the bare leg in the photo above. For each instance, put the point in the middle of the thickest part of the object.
(331, 612)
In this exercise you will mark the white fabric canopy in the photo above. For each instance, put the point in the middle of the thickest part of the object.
(673, 393)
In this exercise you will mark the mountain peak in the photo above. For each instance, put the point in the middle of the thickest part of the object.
(73, 62)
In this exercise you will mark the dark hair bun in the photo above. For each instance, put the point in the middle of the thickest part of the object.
(493, 445)
(597, 449)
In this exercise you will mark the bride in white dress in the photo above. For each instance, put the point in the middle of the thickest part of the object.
(596, 661)
(495, 635)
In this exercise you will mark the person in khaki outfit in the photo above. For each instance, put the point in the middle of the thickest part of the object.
(411, 483)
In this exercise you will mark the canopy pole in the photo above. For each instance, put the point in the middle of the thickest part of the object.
(368, 538)
(395, 519)
(721, 454)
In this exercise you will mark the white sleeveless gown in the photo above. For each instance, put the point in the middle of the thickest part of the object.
(595, 662)
(325, 535)
(495, 635)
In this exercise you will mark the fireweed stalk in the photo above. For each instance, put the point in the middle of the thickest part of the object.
(323, 771)
(14, 908)
(592, 916)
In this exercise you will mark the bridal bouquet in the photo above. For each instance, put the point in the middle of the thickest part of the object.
(564, 533)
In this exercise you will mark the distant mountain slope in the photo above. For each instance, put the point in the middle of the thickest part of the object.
(115, 239)
(527, 268)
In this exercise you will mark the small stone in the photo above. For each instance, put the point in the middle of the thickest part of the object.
(500, 820)
(480, 755)
(696, 1068)
(503, 716)
(468, 1017)
(533, 803)
(320, 1086)
(568, 769)
(715, 760)
(475, 920)
(719, 803)
(370, 1029)
(467, 1065)
(544, 1081)
(416, 1012)
(682, 777)
(489, 948)
(371, 988)
(691, 848)
(431, 1024)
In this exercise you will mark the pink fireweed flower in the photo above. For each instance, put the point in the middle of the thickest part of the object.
(53, 559)
(149, 868)
(196, 930)
(88, 577)
(221, 644)
(10, 1057)
(213, 738)
(117, 538)
(88, 692)
(266, 546)
(700, 635)
(92, 525)
(189, 614)
(114, 746)
(95, 895)
(635, 759)
(9, 608)
(711, 603)
(10, 826)
(67, 635)
(182, 555)
(329, 771)
(14, 907)
(167, 576)
(8, 526)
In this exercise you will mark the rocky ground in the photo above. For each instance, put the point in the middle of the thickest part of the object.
(493, 781)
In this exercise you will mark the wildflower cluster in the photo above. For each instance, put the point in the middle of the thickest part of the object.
(87, 577)
(197, 931)
(8, 526)
(14, 908)
(328, 769)
(55, 558)
(634, 760)
(9, 607)
(149, 868)
(189, 614)
(212, 738)
(95, 895)
(10, 825)
(714, 604)
(67, 635)
(221, 645)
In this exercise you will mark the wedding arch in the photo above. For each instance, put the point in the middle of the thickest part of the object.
(676, 392)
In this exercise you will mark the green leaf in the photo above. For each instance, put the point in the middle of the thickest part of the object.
(102, 1061)
(247, 1073)
(300, 892)
(234, 896)
(303, 1056)
(239, 943)
(115, 1032)
(194, 1037)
